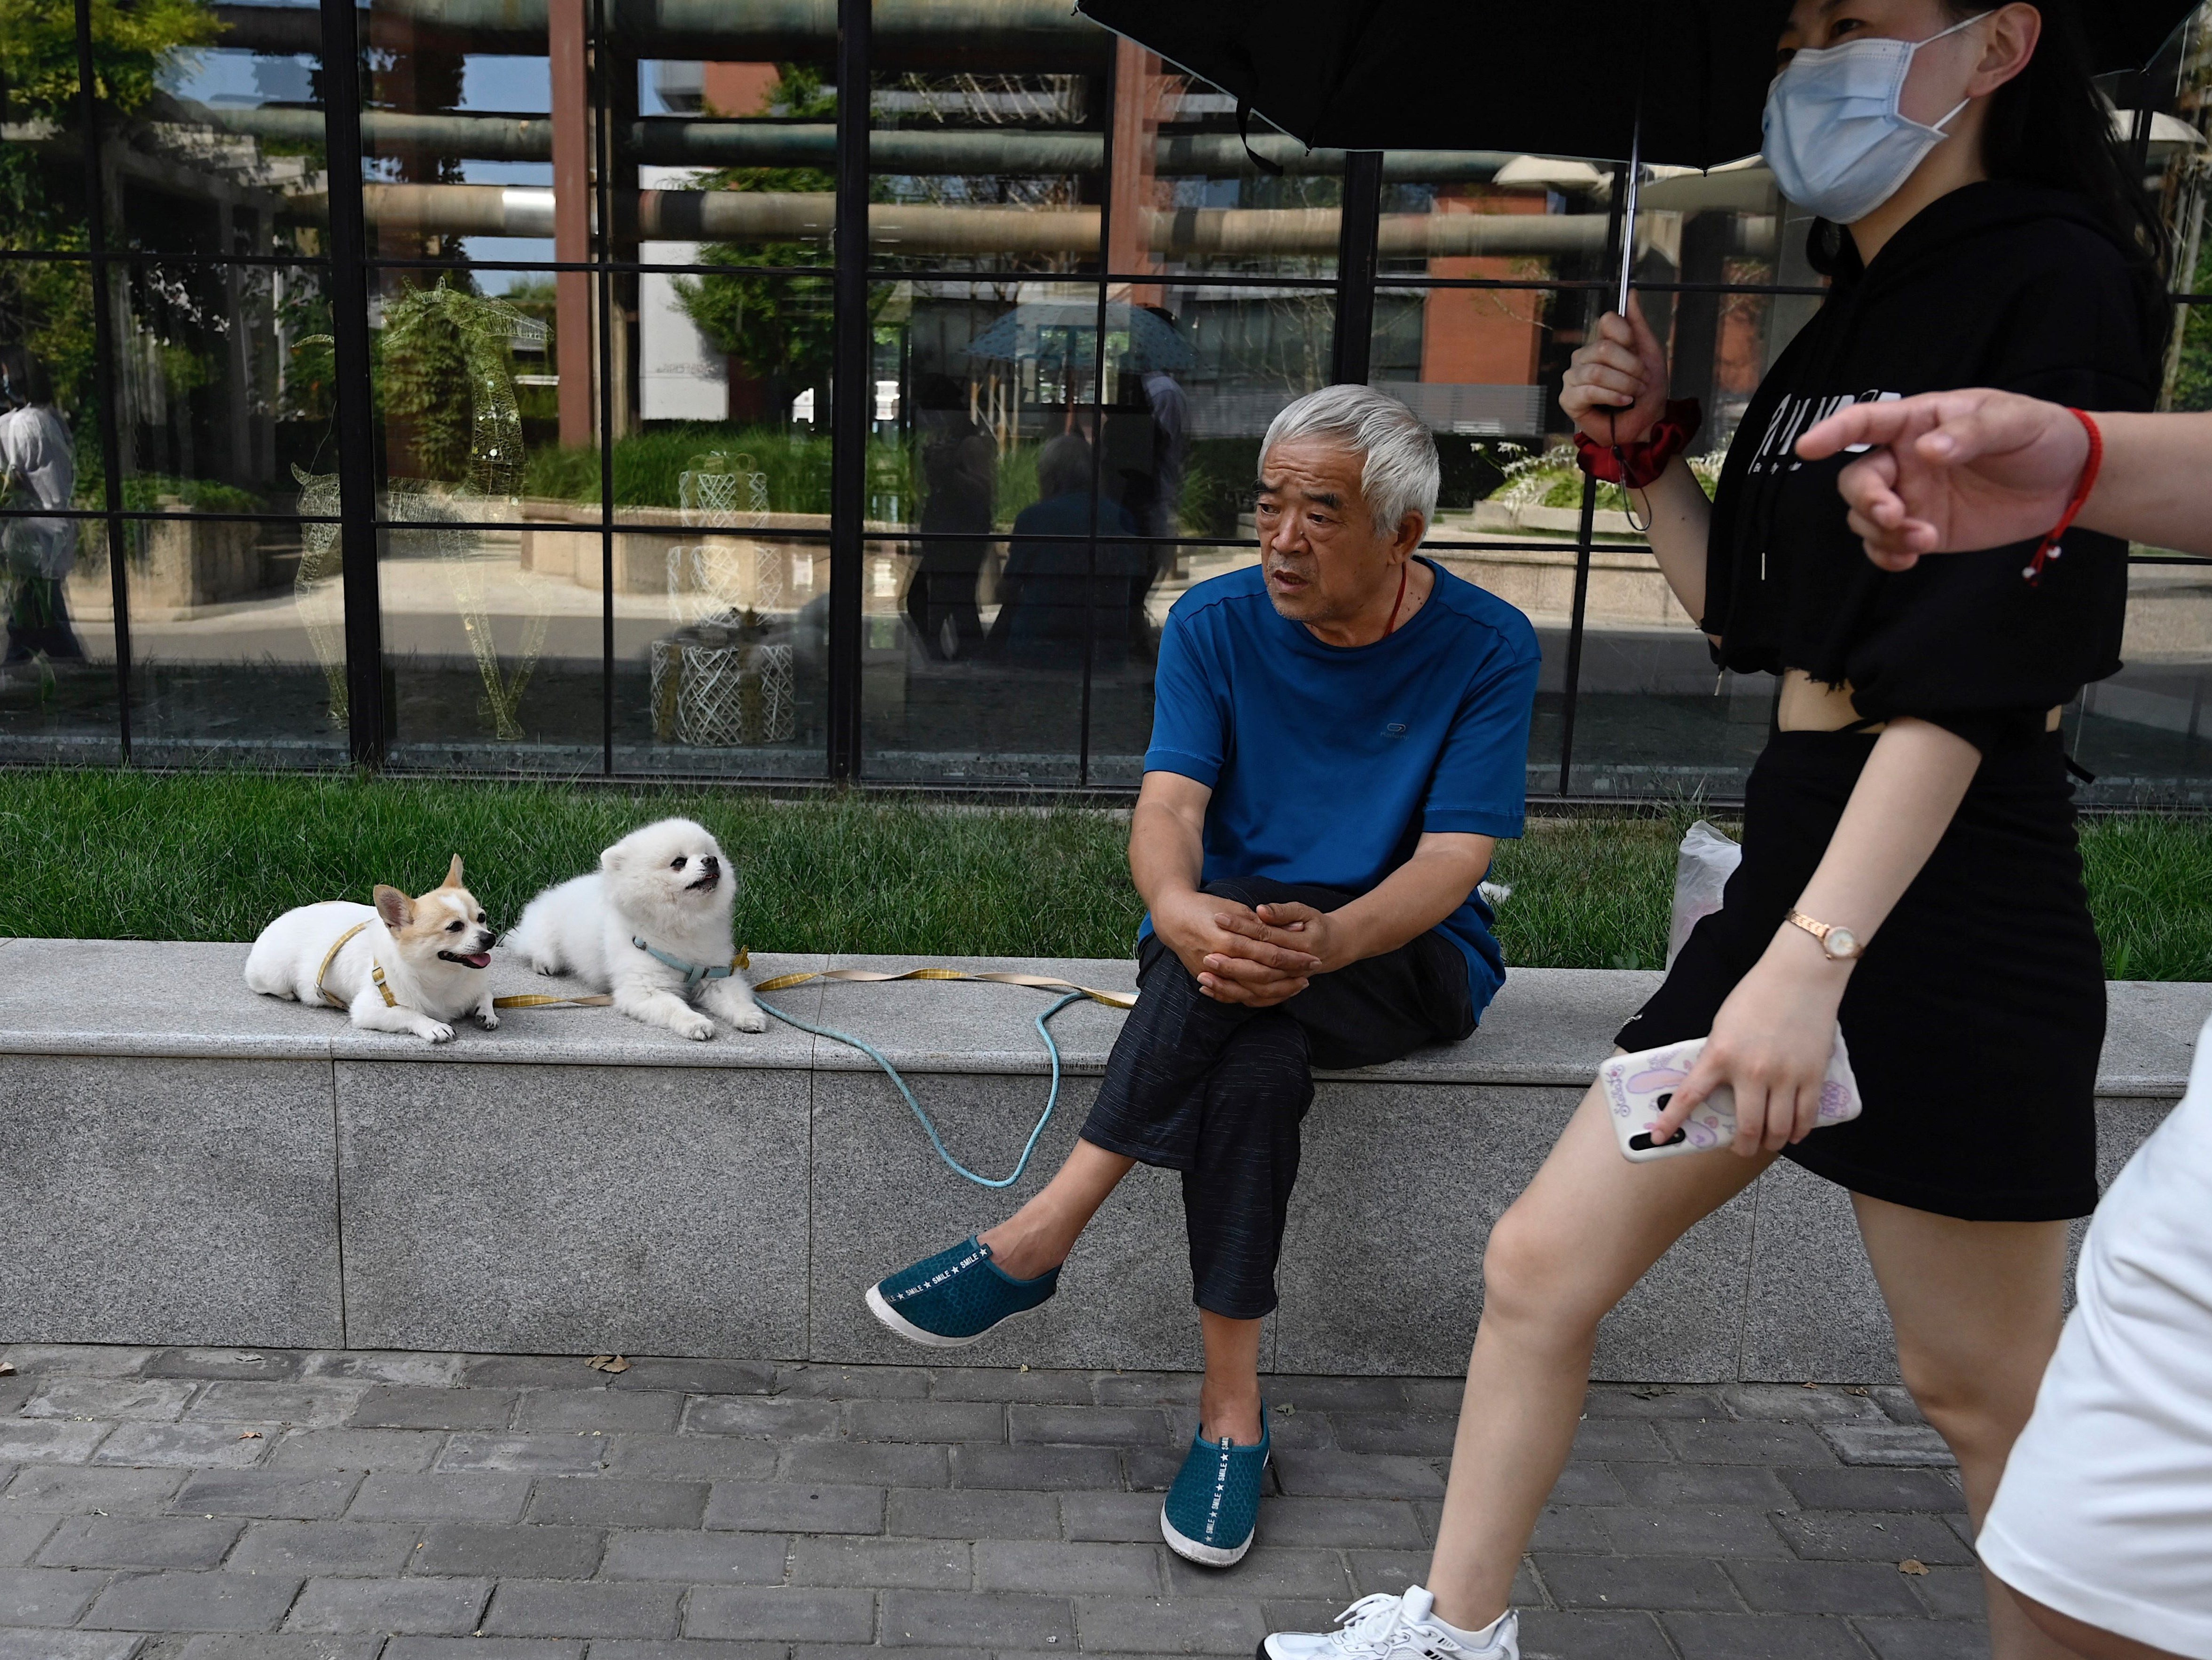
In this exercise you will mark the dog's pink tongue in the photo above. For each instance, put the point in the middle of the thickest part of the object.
(481, 960)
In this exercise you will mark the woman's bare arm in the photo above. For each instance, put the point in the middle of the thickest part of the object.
(1616, 391)
(1772, 1038)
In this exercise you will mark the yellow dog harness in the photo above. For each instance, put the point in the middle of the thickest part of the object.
(376, 974)
(375, 970)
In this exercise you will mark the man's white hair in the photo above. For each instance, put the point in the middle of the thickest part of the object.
(1399, 473)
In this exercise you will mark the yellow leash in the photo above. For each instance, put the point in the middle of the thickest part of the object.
(1112, 1000)
(539, 999)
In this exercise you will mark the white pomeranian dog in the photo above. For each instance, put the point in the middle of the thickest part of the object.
(652, 926)
(403, 964)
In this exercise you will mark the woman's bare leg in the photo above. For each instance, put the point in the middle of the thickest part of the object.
(1568, 1250)
(1977, 1308)
(1039, 1236)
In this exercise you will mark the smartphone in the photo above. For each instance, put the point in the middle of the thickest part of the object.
(1639, 1087)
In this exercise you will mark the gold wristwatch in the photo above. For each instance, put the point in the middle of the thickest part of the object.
(1840, 945)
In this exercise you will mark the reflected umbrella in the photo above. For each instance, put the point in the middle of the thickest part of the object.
(1064, 330)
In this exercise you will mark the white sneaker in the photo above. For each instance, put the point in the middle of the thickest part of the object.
(1386, 1627)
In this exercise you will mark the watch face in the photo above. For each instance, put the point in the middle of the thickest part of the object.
(1841, 942)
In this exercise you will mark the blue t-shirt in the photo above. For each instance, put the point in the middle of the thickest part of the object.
(1327, 764)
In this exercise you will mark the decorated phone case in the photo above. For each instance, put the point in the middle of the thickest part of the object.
(1637, 1088)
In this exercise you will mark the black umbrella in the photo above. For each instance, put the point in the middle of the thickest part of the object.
(1557, 77)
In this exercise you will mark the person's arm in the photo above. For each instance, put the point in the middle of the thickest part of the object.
(1959, 471)
(1615, 391)
(1405, 905)
(1772, 1038)
(1167, 858)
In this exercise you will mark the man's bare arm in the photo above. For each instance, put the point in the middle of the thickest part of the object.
(1405, 905)
(1167, 856)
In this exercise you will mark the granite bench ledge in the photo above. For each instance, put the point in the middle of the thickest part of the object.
(1548, 1027)
(185, 1162)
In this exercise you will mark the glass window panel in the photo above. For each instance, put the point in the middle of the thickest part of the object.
(973, 377)
(1253, 347)
(237, 642)
(228, 150)
(1006, 707)
(44, 208)
(1480, 214)
(58, 671)
(2147, 732)
(1208, 206)
(482, 414)
(730, 374)
(48, 304)
(987, 149)
(226, 385)
(722, 645)
(1481, 368)
(1182, 446)
(58, 697)
(734, 163)
(2189, 361)
(492, 644)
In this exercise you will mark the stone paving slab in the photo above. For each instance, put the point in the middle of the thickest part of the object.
(383, 1506)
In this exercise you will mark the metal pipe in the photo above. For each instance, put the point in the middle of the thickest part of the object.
(922, 229)
(802, 144)
(355, 457)
(851, 400)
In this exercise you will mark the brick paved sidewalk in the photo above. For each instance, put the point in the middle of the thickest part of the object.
(367, 1506)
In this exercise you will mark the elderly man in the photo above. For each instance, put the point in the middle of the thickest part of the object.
(1340, 738)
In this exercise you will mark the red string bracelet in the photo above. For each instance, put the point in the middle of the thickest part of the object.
(2048, 548)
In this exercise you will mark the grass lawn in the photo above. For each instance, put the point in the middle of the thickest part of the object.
(99, 854)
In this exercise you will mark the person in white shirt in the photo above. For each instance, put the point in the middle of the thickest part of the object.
(37, 471)
(2102, 1526)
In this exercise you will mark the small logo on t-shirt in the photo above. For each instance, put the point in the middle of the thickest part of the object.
(1396, 729)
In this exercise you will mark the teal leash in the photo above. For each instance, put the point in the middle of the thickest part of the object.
(1051, 1100)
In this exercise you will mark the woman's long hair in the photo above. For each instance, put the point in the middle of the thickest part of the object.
(2050, 126)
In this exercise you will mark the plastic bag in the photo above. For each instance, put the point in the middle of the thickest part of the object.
(1707, 859)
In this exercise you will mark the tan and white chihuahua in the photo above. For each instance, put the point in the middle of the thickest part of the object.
(412, 965)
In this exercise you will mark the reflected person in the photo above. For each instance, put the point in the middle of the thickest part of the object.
(37, 471)
(1340, 738)
(960, 474)
(1153, 493)
(1053, 591)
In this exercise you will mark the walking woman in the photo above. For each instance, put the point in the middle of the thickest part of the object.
(1910, 865)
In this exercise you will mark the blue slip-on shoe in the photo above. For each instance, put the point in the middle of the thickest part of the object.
(1214, 1505)
(950, 1300)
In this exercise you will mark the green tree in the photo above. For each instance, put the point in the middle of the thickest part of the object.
(48, 306)
(779, 329)
(133, 46)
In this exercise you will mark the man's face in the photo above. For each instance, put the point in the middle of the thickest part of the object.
(1322, 557)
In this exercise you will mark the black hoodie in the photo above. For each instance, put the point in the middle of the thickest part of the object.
(1996, 284)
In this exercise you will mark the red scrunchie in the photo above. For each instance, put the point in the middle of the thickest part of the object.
(1635, 466)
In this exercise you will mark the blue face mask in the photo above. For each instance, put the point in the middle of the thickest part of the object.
(1836, 138)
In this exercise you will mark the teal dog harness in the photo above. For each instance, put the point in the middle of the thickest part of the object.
(693, 973)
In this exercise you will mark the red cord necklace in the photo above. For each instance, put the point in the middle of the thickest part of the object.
(1391, 627)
